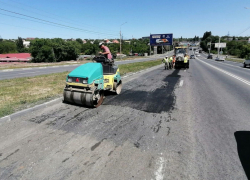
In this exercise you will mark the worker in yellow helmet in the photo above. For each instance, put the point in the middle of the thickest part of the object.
(170, 62)
(186, 64)
(166, 61)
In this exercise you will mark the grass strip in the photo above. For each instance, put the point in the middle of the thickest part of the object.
(21, 93)
(236, 60)
(35, 65)
(134, 67)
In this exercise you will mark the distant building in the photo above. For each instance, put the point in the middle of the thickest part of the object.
(115, 41)
(17, 57)
(29, 38)
(106, 40)
(26, 43)
(146, 37)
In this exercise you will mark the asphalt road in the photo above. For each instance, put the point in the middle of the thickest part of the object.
(166, 124)
(30, 72)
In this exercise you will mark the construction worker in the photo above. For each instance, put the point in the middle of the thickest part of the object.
(170, 61)
(105, 51)
(186, 60)
(173, 61)
(165, 60)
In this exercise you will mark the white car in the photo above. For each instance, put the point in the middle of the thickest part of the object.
(246, 63)
(219, 59)
(198, 55)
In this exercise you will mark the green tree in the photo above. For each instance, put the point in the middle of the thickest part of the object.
(20, 46)
(79, 40)
(7, 47)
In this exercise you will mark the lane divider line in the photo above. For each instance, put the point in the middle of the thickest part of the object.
(233, 65)
(7, 70)
(225, 72)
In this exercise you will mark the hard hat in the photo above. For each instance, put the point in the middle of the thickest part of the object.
(100, 44)
(166, 56)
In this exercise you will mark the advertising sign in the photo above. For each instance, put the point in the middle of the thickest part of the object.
(161, 39)
(220, 45)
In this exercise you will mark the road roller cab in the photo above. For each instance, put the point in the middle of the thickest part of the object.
(86, 84)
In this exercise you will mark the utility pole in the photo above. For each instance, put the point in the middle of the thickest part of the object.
(121, 38)
(120, 42)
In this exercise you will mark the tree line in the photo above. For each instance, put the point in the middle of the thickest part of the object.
(236, 46)
(57, 49)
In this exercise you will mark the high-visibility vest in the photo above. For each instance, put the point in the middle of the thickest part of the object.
(170, 59)
(185, 59)
(165, 60)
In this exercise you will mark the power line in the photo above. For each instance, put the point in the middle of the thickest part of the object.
(51, 13)
(32, 29)
(93, 32)
(244, 31)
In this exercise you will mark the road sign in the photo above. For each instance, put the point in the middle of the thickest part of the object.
(221, 52)
(220, 45)
(161, 39)
(209, 43)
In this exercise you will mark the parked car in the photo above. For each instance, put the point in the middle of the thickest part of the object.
(246, 63)
(192, 57)
(209, 56)
(219, 59)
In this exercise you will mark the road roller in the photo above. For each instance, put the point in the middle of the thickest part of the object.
(86, 84)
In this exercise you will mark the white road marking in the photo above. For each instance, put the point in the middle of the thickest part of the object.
(181, 83)
(26, 68)
(158, 173)
(7, 70)
(232, 75)
(42, 67)
(233, 65)
(27, 73)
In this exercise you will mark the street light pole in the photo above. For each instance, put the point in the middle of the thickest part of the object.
(121, 38)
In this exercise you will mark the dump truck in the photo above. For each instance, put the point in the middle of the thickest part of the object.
(179, 53)
(86, 84)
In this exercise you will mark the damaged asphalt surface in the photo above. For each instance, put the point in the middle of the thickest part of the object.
(157, 128)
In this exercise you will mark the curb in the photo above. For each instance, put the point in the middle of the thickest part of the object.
(29, 110)
(43, 67)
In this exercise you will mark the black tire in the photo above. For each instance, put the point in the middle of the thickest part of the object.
(118, 87)
(244, 65)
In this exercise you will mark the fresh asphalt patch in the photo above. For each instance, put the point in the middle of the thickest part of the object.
(154, 95)
(138, 114)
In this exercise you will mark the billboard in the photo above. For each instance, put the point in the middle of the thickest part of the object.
(220, 45)
(161, 39)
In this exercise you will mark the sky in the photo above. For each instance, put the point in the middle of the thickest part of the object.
(95, 19)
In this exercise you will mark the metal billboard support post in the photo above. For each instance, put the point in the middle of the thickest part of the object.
(150, 50)
(218, 47)
(210, 47)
